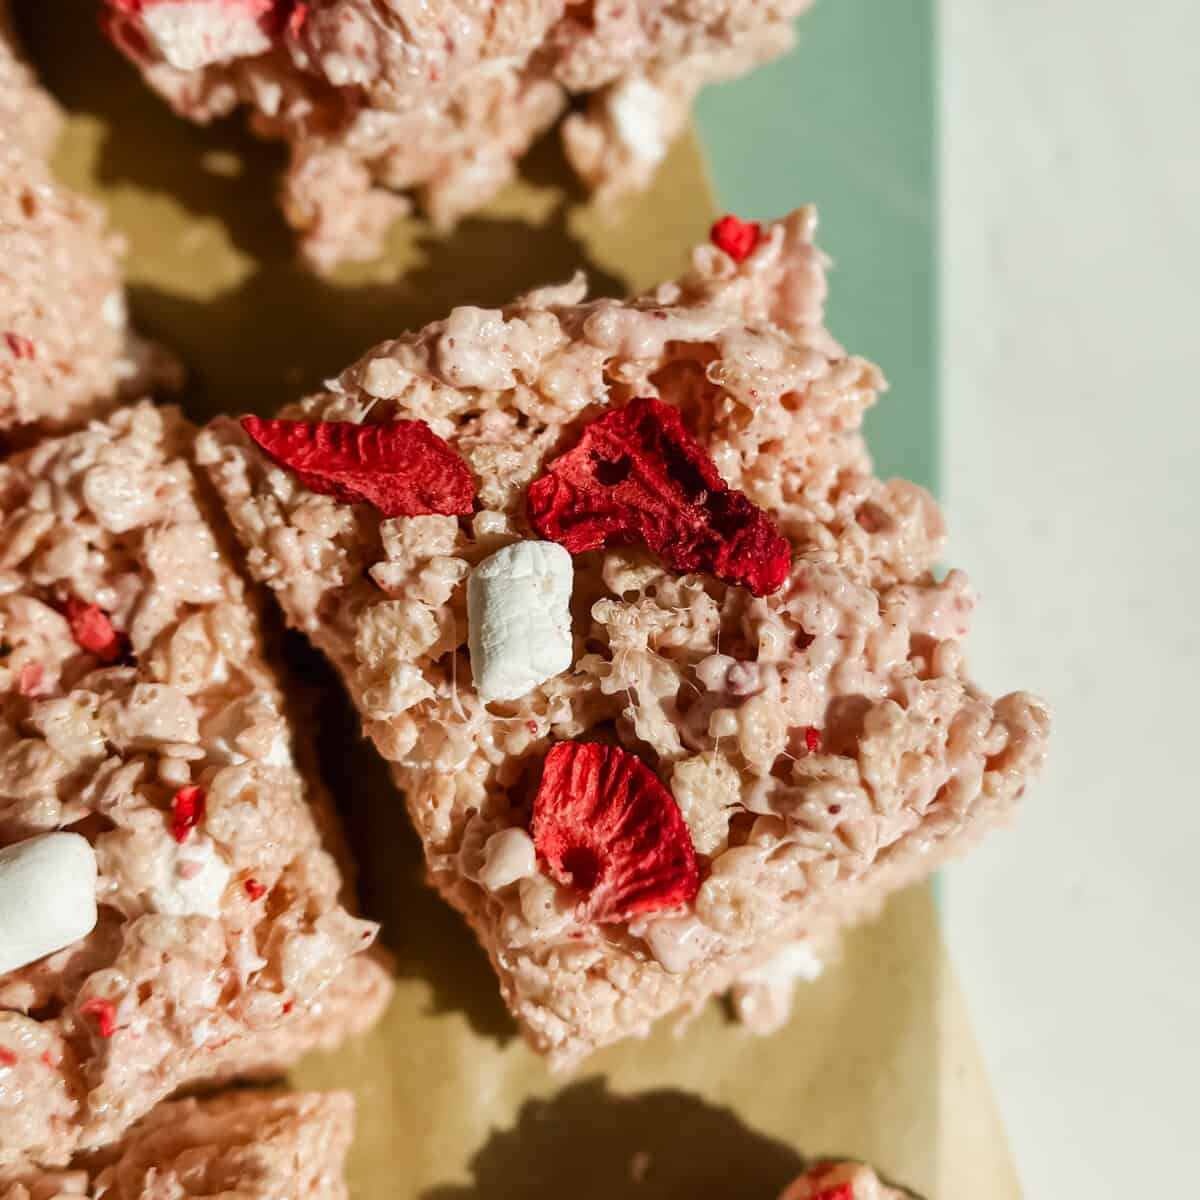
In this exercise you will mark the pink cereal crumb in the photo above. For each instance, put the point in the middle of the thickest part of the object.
(29, 680)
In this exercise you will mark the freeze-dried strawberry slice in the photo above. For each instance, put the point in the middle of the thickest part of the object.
(402, 468)
(638, 476)
(735, 236)
(604, 823)
(93, 630)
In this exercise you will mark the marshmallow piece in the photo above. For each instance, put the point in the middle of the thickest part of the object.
(508, 855)
(519, 617)
(47, 897)
(797, 962)
(191, 878)
(640, 117)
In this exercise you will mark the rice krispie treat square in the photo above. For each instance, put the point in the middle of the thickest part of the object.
(376, 97)
(662, 668)
(168, 914)
(65, 346)
(248, 1145)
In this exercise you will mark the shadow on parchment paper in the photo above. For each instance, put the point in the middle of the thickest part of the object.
(256, 362)
(591, 1144)
(429, 940)
(254, 326)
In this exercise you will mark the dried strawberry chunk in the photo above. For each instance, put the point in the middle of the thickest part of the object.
(812, 739)
(840, 1191)
(402, 468)
(7, 1057)
(735, 236)
(255, 890)
(105, 1012)
(93, 631)
(20, 345)
(637, 475)
(187, 811)
(604, 823)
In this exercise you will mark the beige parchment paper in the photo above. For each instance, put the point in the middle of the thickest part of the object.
(878, 1061)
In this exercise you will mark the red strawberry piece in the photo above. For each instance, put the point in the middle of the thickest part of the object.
(403, 468)
(20, 346)
(255, 890)
(736, 237)
(93, 631)
(105, 1013)
(605, 824)
(187, 811)
(812, 739)
(841, 1191)
(7, 1057)
(637, 476)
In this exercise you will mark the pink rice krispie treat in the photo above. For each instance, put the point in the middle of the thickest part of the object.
(26, 110)
(662, 668)
(65, 347)
(377, 97)
(168, 914)
(841, 1181)
(243, 1145)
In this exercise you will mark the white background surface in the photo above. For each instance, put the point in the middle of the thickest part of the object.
(1071, 293)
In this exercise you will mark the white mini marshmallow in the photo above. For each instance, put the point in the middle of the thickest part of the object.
(796, 962)
(640, 116)
(190, 879)
(47, 897)
(519, 617)
(508, 855)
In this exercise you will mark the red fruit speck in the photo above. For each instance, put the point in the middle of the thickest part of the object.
(288, 1006)
(812, 739)
(93, 631)
(841, 1191)
(402, 469)
(7, 1057)
(105, 1013)
(604, 823)
(532, 726)
(255, 890)
(736, 237)
(637, 476)
(187, 811)
(20, 345)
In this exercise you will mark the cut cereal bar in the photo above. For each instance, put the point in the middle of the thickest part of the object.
(180, 921)
(249, 1145)
(375, 97)
(65, 346)
(661, 667)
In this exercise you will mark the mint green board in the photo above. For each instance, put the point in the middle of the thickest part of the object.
(848, 120)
